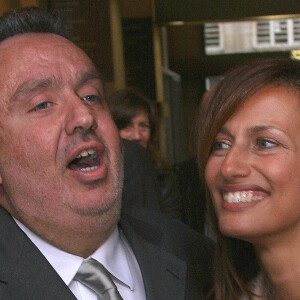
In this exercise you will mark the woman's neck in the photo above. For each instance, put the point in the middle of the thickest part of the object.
(280, 259)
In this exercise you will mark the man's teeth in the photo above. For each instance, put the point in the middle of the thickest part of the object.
(89, 168)
(238, 197)
(85, 153)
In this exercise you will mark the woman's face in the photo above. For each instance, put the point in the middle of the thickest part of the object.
(138, 129)
(253, 172)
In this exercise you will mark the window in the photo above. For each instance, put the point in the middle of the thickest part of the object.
(213, 37)
(277, 34)
(255, 36)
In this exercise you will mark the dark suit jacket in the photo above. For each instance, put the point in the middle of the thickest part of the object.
(192, 194)
(144, 187)
(175, 262)
(140, 184)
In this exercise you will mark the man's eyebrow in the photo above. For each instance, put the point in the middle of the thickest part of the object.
(32, 85)
(89, 76)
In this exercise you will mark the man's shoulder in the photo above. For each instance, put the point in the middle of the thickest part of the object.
(170, 233)
(162, 236)
(22, 263)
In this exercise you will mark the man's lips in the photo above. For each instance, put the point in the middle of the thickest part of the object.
(87, 162)
(92, 150)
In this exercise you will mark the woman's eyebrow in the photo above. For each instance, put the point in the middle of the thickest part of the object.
(226, 131)
(250, 131)
(258, 128)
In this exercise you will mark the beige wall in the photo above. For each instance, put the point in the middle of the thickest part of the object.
(136, 8)
(6, 5)
(24, 3)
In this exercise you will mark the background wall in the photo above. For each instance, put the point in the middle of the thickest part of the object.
(136, 8)
(6, 5)
(207, 10)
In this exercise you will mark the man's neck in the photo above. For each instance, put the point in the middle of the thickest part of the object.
(81, 243)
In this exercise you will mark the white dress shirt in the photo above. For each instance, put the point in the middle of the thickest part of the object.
(115, 255)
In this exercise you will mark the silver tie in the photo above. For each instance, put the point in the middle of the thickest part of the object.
(93, 274)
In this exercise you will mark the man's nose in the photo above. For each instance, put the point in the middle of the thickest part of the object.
(80, 116)
(236, 163)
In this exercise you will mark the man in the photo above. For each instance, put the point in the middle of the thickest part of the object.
(61, 182)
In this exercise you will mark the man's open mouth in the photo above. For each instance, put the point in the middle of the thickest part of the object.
(86, 160)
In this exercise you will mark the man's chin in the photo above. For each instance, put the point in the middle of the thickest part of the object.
(95, 205)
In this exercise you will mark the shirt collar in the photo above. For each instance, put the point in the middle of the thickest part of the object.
(111, 254)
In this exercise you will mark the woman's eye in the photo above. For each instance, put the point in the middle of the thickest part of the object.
(127, 129)
(265, 143)
(42, 105)
(144, 125)
(220, 145)
(91, 98)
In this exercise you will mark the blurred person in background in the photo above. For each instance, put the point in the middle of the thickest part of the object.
(191, 187)
(134, 116)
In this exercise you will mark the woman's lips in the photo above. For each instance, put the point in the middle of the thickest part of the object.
(237, 198)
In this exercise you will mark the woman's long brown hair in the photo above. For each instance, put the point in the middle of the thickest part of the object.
(236, 263)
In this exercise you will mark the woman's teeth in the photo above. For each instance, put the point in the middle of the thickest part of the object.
(238, 197)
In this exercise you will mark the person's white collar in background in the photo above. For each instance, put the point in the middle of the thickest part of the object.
(113, 254)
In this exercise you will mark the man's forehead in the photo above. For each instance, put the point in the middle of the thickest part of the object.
(42, 82)
(40, 66)
(41, 47)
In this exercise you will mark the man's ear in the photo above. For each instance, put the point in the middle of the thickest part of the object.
(1, 179)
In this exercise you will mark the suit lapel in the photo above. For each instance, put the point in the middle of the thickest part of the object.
(25, 273)
(164, 275)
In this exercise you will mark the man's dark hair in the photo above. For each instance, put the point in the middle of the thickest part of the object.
(31, 19)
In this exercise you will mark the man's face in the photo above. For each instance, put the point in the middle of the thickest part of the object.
(60, 161)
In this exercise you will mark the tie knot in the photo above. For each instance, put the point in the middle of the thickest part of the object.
(95, 276)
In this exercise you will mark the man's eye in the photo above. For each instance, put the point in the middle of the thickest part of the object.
(91, 98)
(42, 105)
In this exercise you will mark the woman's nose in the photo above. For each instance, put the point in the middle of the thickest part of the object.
(136, 135)
(236, 163)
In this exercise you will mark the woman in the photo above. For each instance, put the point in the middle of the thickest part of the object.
(249, 142)
(134, 117)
